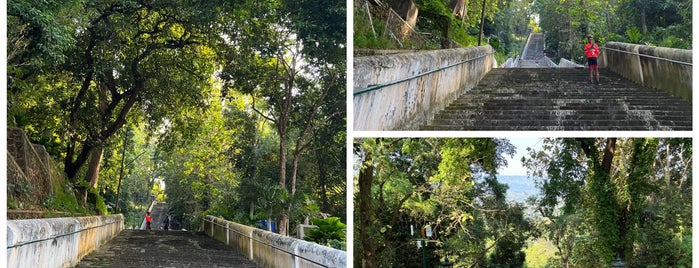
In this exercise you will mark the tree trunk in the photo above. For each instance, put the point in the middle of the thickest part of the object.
(366, 177)
(322, 182)
(284, 118)
(606, 210)
(92, 176)
(608, 155)
(644, 27)
(480, 35)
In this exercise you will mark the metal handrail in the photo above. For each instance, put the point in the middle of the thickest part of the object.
(649, 56)
(382, 85)
(265, 243)
(61, 235)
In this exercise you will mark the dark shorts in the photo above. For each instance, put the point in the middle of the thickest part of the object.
(592, 63)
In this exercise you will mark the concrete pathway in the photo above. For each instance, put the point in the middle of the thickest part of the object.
(138, 248)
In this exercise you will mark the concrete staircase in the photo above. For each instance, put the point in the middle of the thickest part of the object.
(138, 248)
(158, 213)
(533, 55)
(550, 99)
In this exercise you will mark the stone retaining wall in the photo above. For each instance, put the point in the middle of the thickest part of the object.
(407, 105)
(671, 77)
(58, 242)
(30, 171)
(268, 249)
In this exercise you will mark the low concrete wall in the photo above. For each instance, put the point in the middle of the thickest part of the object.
(407, 105)
(564, 63)
(635, 64)
(58, 242)
(268, 249)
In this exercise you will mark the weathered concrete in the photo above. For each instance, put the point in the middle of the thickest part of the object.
(58, 242)
(671, 77)
(30, 169)
(407, 10)
(272, 250)
(533, 53)
(409, 104)
(139, 248)
(562, 99)
(564, 63)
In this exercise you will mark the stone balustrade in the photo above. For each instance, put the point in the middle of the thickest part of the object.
(667, 69)
(58, 242)
(438, 77)
(268, 249)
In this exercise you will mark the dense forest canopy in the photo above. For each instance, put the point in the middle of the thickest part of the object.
(505, 24)
(664, 23)
(212, 100)
(599, 200)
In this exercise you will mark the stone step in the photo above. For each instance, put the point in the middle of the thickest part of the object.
(561, 99)
(552, 105)
(571, 114)
(138, 248)
(552, 125)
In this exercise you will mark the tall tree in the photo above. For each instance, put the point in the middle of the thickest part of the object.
(116, 67)
(298, 76)
(606, 186)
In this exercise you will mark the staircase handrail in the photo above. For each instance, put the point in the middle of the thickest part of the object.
(526, 43)
(648, 56)
(390, 83)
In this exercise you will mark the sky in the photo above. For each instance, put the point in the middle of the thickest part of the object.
(514, 164)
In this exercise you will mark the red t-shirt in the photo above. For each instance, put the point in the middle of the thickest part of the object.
(591, 50)
(148, 218)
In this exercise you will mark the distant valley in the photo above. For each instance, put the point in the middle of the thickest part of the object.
(520, 187)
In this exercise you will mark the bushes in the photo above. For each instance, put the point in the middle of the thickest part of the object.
(330, 232)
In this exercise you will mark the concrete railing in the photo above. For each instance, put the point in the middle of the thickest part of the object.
(402, 92)
(667, 69)
(564, 63)
(511, 62)
(268, 249)
(58, 242)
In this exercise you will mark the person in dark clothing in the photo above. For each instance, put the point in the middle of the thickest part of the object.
(166, 222)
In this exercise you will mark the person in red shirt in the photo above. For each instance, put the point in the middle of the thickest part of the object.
(148, 220)
(592, 51)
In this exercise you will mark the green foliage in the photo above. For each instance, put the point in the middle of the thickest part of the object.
(685, 252)
(539, 253)
(329, 229)
(629, 204)
(445, 183)
(365, 34)
(80, 81)
(64, 200)
(21, 189)
(633, 35)
(656, 22)
(101, 206)
(441, 29)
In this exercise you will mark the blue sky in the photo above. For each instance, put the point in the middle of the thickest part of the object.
(514, 165)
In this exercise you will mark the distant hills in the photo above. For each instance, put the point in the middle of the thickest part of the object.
(520, 187)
